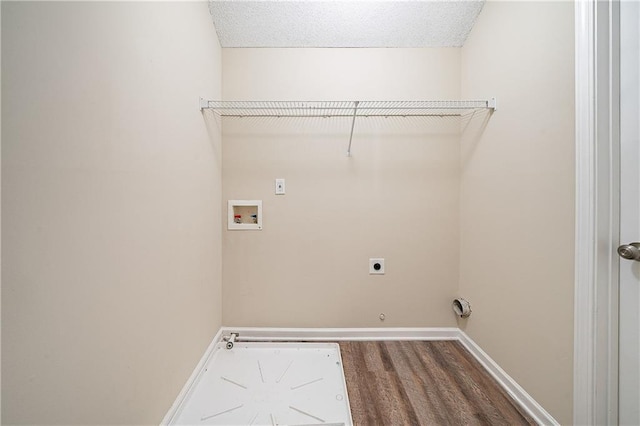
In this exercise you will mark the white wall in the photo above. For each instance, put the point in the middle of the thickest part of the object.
(517, 196)
(111, 193)
(111, 208)
(494, 224)
(396, 197)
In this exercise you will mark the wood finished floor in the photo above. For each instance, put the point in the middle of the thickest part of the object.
(423, 383)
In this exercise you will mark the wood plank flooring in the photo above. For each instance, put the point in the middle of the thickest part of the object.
(423, 383)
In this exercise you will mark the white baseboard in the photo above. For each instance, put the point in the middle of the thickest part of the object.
(258, 334)
(535, 410)
(182, 396)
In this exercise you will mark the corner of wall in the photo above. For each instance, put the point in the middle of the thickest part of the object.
(517, 196)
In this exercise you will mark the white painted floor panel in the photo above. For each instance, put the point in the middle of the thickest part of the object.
(269, 384)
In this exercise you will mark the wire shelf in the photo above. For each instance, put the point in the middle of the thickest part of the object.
(344, 108)
(351, 109)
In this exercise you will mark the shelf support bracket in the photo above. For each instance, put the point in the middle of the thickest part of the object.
(353, 123)
(492, 104)
(204, 104)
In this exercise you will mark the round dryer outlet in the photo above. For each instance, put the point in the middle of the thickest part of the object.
(376, 266)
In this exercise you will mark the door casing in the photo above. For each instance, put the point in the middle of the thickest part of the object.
(595, 389)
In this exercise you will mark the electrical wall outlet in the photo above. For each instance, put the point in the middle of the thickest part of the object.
(376, 266)
(279, 186)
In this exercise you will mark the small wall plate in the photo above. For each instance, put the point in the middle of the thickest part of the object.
(376, 266)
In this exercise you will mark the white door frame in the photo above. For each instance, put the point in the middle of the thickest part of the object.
(595, 382)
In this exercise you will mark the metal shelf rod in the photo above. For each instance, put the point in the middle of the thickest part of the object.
(339, 115)
(353, 124)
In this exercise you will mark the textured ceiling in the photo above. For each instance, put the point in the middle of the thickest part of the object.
(355, 23)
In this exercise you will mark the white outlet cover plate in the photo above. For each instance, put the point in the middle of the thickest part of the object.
(279, 186)
(372, 262)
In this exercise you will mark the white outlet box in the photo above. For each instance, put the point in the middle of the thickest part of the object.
(279, 186)
(376, 266)
(244, 215)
